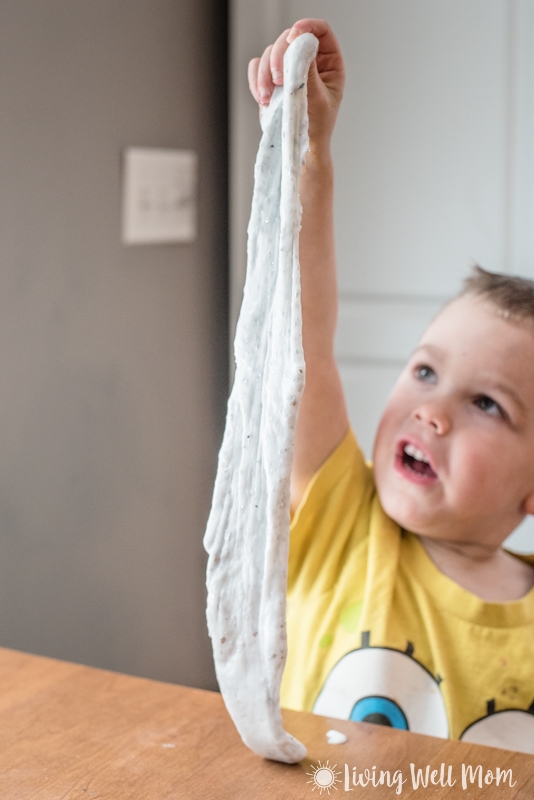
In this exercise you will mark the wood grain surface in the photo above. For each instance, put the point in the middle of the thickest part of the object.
(72, 732)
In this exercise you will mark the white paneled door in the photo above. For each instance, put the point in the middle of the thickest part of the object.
(434, 157)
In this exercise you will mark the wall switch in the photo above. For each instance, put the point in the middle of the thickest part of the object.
(159, 196)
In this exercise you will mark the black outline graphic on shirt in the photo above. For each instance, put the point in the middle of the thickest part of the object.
(434, 724)
(517, 740)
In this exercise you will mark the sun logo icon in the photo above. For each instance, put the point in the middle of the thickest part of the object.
(324, 777)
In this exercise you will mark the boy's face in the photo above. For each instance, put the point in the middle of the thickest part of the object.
(454, 451)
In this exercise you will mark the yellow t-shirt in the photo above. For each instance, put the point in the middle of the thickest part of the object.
(377, 633)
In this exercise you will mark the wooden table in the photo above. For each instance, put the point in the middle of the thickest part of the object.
(69, 731)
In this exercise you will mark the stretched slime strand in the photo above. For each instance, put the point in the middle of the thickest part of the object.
(247, 535)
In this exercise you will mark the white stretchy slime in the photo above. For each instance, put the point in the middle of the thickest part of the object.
(247, 536)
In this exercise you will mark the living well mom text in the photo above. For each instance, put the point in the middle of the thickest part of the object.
(465, 776)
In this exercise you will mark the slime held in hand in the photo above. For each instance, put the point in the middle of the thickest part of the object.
(247, 535)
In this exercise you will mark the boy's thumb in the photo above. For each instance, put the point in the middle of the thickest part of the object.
(313, 76)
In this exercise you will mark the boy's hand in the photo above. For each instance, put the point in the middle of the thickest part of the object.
(325, 82)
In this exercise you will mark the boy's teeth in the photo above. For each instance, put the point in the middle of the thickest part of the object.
(412, 451)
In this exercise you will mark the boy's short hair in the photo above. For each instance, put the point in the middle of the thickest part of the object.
(512, 296)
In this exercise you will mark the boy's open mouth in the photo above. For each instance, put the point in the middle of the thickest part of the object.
(415, 461)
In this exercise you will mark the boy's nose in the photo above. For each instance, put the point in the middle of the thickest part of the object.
(433, 414)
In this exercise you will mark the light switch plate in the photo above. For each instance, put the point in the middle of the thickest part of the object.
(159, 196)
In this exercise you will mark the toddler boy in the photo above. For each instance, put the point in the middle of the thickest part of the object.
(403, 607)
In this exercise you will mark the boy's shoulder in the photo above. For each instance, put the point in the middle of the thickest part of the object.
(340, 524)
(343, 480)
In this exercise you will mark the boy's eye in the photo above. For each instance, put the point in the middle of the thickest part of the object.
(488, 405)
(424, 373)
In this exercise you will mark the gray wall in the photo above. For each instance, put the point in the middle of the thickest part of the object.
(113, 360)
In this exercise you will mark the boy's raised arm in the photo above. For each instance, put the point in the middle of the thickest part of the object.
(323, 419)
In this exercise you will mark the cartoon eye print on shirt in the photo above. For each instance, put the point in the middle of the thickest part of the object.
(511, 728)
(384, 686)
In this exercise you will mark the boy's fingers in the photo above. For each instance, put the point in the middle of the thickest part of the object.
(265, 79)
(252, 73)
(268, 71)
(277, 58)
(329, 48)
(320, 28)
